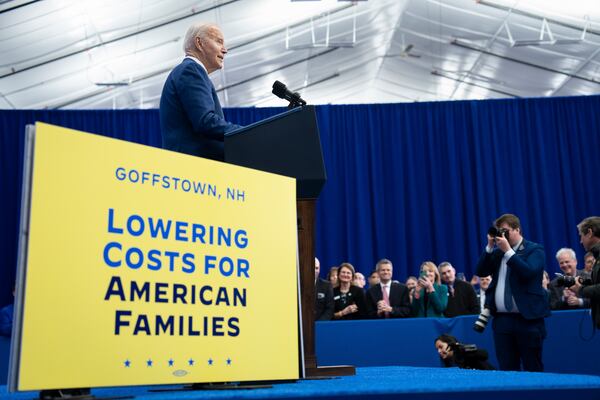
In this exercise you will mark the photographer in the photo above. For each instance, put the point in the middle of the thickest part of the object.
(589, 233)
(452, 353)
(515, 298)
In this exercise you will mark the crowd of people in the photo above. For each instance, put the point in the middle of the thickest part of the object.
(439, 291)
(510, 285)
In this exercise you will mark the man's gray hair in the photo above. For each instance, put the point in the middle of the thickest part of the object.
(567, 251)
(199, 29)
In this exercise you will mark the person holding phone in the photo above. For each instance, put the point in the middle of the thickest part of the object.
(431, 297)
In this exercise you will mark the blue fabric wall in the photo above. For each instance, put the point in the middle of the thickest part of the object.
(410, 182)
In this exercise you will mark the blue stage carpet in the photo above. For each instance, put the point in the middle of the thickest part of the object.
(392, 383)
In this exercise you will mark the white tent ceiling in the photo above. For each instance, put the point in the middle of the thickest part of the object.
(117, 54)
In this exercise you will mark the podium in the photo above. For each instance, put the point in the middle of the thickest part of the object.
(289, 144)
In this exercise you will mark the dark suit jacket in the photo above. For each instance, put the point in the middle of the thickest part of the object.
(399, 300)
(324, 300)
(526, 270)
(191, 118)
(463, 302)
(592, 291)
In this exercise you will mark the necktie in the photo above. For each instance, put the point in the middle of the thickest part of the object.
(386, 298)
(508, 302)
(451, 289)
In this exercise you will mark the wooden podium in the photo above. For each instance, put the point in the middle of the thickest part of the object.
(289, 144)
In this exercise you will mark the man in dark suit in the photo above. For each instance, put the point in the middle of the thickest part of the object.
(516, 298)
(387, 299)
(191, 118)
(462, 299)
(589, 234)
(323, 296)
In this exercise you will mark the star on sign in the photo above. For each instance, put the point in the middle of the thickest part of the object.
(171, 362)
(127, 363)
(210, 361)
(229, 361)
(149, 363)
(191, 361)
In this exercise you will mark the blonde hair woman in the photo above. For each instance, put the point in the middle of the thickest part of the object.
(431, 297)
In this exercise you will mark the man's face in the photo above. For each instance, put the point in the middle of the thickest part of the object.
(212, 49)
(317, 268)
(374, 279)
(587, 239)
(385, 272)
(448, 274)
(589, 263)
(567, 264)
(484, 282)
(512, 235)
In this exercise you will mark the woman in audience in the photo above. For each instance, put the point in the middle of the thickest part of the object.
(349, 300)
(332, 276)
(431, 297)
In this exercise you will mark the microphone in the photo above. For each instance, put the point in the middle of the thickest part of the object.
(281, 91)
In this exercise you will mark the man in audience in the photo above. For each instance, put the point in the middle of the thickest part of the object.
(516, 298)
(387, 299)
(411, 284)
(359, 280)
(462, 299)
(589, 261)
(373, 278)
(323, 296)
(484, 284)
(561, 297)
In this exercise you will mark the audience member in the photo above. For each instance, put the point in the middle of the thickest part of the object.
(411, 284)
(387, 299)
(359, 280)
(475, 282)
(431, 297)
(332, 276)
(515, 298)
(462, 299)
(561, 297)
(484, 284)
(454, 354)
(323, 296)
(373, 278)
(349, 300)
(589, 261)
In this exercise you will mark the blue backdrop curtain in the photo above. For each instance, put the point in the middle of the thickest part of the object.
(409, 182)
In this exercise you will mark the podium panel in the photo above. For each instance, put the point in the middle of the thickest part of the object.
(286, 144)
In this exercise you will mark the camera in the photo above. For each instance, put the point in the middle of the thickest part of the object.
(568, 281)
(482, 321)
(497, 232)
(462, 349)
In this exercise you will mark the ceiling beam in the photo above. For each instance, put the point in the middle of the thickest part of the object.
(465, 45)
(15, 71)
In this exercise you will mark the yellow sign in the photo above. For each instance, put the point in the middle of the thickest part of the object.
(146, 266)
